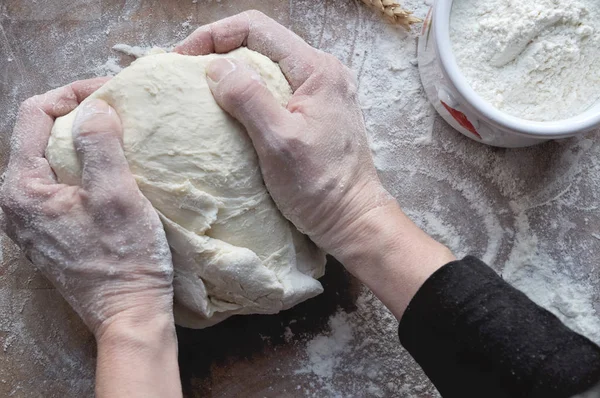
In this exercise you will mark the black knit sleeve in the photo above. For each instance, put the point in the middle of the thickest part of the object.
(474, 335)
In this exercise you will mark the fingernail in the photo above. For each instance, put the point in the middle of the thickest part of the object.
(219, 68)
(89, 109)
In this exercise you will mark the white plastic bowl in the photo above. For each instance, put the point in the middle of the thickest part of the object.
(455, 100)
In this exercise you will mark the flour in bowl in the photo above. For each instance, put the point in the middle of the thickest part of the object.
(537, 59)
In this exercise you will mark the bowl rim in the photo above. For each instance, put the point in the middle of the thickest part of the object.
(566, 127)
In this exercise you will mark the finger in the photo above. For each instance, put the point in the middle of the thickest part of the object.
(97, 136)
(30, 138)
(84, 88)
(240, 92)
(260, 33)
(35, 121)
(60, 101)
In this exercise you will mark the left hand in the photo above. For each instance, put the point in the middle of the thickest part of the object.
(101, 244)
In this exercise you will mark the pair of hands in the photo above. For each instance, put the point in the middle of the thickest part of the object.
(102, 244)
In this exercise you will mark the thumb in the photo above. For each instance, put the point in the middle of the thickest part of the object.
(97, 136)
(240, 91)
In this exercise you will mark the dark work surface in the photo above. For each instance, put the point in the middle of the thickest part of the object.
(207, 354)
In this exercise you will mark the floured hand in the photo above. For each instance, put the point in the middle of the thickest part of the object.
(314, 154)
(101, 244)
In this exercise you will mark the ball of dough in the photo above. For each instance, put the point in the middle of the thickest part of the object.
(233, 251)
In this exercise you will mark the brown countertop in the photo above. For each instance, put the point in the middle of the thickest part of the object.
(532, 213)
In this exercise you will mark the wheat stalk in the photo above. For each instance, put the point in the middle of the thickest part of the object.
(393, 12)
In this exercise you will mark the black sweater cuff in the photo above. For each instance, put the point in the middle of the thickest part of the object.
(474, 335)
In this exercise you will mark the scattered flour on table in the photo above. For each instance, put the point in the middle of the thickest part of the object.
(324, 352)
(112, 66)
(532, 213)
(359, 355)
(532, 59)
(134, 51)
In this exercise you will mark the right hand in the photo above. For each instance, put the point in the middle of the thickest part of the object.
(314, 154)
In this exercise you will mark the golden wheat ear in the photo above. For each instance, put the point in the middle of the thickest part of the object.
(393, 12)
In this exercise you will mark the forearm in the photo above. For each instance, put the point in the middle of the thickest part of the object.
(137, 357)
(475, 335)
(391, 255)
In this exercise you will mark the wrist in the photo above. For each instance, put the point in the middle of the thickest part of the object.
(137, 330)
(386, 230)
(143, 313)
(137, 357)
(391, 255)
(118, 301)
(344, 227)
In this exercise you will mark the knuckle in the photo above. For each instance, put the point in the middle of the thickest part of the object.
(62, 203)
(292, 147)
(30, 103)
(332, 64)
(339, 77)
(255, 14)
(23, 197)
(241, 93)
(114, 200)
(122, 204)
(333, 60)
(344, 79)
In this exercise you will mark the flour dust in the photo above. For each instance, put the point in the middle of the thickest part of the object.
(532, 214)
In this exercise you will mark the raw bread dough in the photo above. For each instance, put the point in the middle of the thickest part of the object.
(233, 251)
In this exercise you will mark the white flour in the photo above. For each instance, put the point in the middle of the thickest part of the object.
(533, 214)
(537, 60)
(325, 352)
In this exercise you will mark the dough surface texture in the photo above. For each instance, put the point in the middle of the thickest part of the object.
(233, 251)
